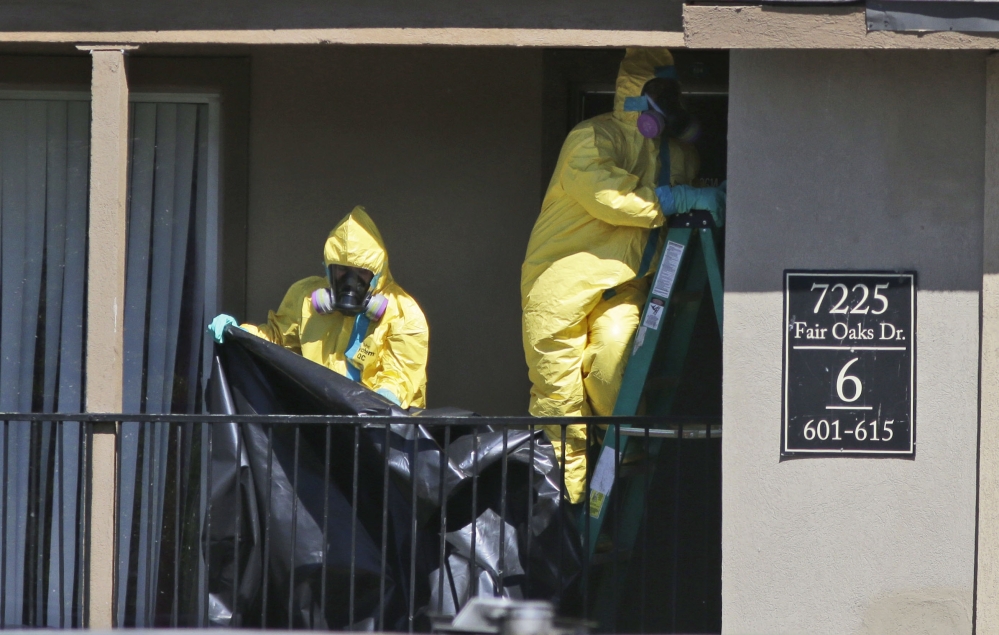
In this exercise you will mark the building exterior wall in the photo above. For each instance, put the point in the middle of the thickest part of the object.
(853, 160)
(443, 147)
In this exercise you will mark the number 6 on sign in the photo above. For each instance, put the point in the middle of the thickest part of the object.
(843, 378)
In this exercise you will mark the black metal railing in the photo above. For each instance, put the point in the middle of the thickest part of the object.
(344, 522)
(43, 511)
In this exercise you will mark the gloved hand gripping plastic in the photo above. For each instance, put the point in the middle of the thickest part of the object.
(217, 326)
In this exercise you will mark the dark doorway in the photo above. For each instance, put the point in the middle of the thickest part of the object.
(671, 579)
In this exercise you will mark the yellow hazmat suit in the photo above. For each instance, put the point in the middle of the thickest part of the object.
(580, 297)
(393, 353)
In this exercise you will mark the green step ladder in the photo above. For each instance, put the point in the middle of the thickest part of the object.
(688, 270)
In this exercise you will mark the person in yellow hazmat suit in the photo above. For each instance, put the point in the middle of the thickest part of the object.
(357, 320)
(583, 281)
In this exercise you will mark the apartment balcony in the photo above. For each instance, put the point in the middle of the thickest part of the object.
(300, 522)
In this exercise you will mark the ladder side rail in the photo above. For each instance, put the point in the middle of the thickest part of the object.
(714, 273)
(643, 346)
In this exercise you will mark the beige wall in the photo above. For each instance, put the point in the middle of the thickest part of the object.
(852, 160)
(443, 147)
(987, 587)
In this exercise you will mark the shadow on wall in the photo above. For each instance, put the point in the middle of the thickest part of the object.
(856, 159)
(919, 612)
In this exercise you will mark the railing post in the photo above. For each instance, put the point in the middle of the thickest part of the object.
(105, 311)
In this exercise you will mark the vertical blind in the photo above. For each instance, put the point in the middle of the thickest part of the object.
(166, 304)
(44, 161)
(44, 164)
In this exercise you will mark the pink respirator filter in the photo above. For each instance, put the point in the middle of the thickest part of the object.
(376, 307)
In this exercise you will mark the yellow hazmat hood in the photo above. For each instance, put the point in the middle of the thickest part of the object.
(356, 242)
(638, 66)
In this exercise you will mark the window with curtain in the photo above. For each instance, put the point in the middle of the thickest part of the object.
(44, 165)
(169, 294)
(169, 298)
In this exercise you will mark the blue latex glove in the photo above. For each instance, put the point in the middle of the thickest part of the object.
(388, 394)
(217, 326)
(681, 199)
(665, 195)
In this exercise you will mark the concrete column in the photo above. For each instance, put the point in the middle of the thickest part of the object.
(987, 582)
(861, 545)
(105, 310)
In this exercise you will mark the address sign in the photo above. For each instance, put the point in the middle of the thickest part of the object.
(849, 363)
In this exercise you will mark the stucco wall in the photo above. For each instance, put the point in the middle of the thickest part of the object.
(443, 147)
(849, 160)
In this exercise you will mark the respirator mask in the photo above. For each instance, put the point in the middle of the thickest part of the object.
(662, 111)
(349, 293)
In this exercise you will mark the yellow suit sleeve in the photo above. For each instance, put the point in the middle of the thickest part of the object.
(403, 359)
(609, 193)
(283, 326)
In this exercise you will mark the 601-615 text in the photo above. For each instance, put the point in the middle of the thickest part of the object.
(824, 430)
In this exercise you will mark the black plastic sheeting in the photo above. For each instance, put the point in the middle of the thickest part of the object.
(275, 505)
